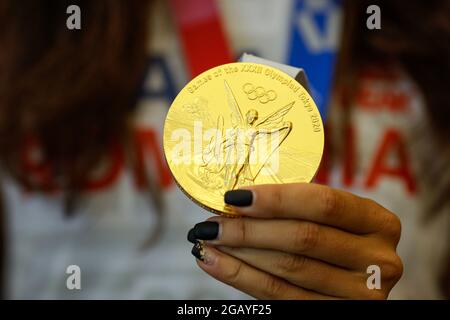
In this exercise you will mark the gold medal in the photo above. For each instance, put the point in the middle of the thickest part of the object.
(237, 125)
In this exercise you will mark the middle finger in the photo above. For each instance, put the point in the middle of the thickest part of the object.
(291, 236)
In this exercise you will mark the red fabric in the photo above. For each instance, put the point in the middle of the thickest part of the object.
(201, 33)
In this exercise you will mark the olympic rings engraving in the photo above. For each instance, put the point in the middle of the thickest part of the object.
(263, 96)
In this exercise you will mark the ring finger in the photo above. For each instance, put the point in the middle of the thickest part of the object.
(304, 272)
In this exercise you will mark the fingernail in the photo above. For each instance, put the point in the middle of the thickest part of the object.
(202, 253)
(207, 230)
(198, 252)
(239, 198)
(191, 236)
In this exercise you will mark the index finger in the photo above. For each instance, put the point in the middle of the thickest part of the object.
(311, 202)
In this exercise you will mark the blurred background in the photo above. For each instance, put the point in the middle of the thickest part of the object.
(83, 178)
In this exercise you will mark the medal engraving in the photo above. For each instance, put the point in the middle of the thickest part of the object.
(237, 125)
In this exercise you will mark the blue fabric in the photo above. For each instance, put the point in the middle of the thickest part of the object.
(314, 34)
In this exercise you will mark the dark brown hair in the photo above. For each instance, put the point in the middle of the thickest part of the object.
(414, 34)
(71, 90)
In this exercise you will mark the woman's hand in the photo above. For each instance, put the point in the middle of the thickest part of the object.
(300, 241)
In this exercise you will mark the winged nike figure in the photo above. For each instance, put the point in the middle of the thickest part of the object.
(238, 143)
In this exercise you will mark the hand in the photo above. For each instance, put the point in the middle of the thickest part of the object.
(300, 241)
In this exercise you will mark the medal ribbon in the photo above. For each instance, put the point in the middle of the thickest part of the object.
(201, 33)
(314, 36)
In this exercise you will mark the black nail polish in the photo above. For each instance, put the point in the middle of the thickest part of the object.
(207, 230)
(239, 198)
(191, 236)
(197, 251)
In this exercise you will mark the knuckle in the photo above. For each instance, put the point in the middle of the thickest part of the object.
(330, 202)
(306, 237)
(273, 287)
(372, 207)
(240, 230)
(233, 275)
(290, 264)
(392, 226)
(391, 267)
(277, 200)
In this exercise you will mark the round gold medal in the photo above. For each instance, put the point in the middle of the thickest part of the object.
(237, 125)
